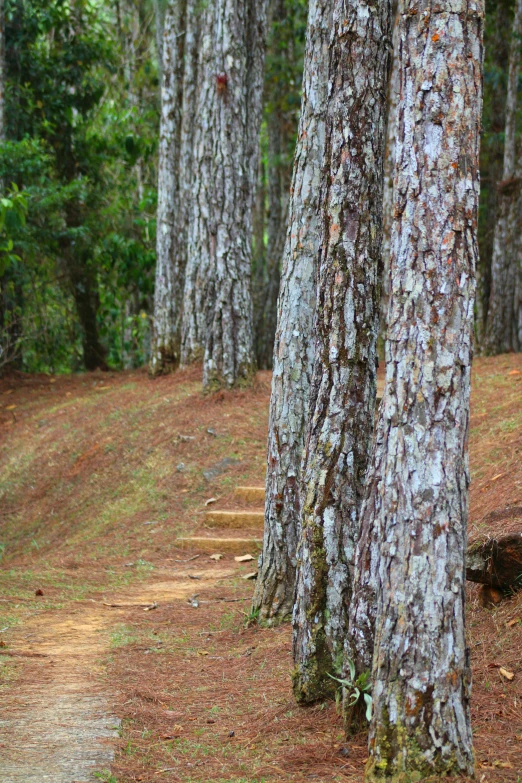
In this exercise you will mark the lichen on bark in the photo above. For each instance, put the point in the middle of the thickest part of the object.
(178, 99)
(293, 349)
(342, 395)
(218, 302)
(410, 575)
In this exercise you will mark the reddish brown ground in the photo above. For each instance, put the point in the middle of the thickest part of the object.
(86, 462)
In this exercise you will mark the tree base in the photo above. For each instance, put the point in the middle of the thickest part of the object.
(163, 361)
(215, 381)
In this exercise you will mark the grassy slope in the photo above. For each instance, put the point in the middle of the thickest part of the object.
(102, 469)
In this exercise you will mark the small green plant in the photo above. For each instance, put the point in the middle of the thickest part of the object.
(105, 776)
(252, 617)
(356, 687)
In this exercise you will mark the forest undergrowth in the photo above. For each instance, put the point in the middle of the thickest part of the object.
(99, 474)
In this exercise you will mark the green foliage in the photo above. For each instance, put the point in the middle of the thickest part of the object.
(356, 688)
(13, 210)
(82, 116)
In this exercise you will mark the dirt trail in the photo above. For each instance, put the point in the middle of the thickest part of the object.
(56, 724)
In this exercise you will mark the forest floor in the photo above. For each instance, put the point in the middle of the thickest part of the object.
(111, 672)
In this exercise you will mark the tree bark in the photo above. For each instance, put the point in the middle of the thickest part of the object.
(343, 389)
(389, 166)
(503, 314)
(218, 301)
(170, 251)
(293, 351)
(276, 230)
(159, 27)
(410, 569)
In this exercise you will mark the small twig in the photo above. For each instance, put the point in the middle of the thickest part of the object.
(167, 769)
(13, 654)
(122, 606)
(187, 561)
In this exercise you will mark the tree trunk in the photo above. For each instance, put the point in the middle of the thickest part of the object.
(342, 394)
(293, 351)
(159, 25)
(218, 300)
(502, 326)
(259, 257)
(2, 73)
(170, 252)
(416, 508)
(276, 230)
(86, 299)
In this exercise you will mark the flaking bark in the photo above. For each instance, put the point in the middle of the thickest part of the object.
(170, 250)
(410, 565)
(389, 166)
(293, 351)
(218, 301)
(342, 397)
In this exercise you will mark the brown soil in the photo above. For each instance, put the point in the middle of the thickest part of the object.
(83, 468)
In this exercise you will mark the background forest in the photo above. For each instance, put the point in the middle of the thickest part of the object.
(78, 165)
(79, 170)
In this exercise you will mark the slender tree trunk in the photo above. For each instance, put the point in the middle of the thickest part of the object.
(218, 300)
(412, 579)
(293, 352)
(2, 73)
(502, 326)
(259, 256)
(342, 395)
(170, 253)
(276, 230)
(87, 303)
(159, 19)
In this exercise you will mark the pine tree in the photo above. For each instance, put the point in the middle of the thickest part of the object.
(178, 106)
(293, 352)
(342, 396)
(410, 575)
(218, 302)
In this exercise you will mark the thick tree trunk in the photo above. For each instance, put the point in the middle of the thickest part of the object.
(293, 352)
(502, 324)
(342, 395)
(416, 511)
(218, 300)
(170, 250)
